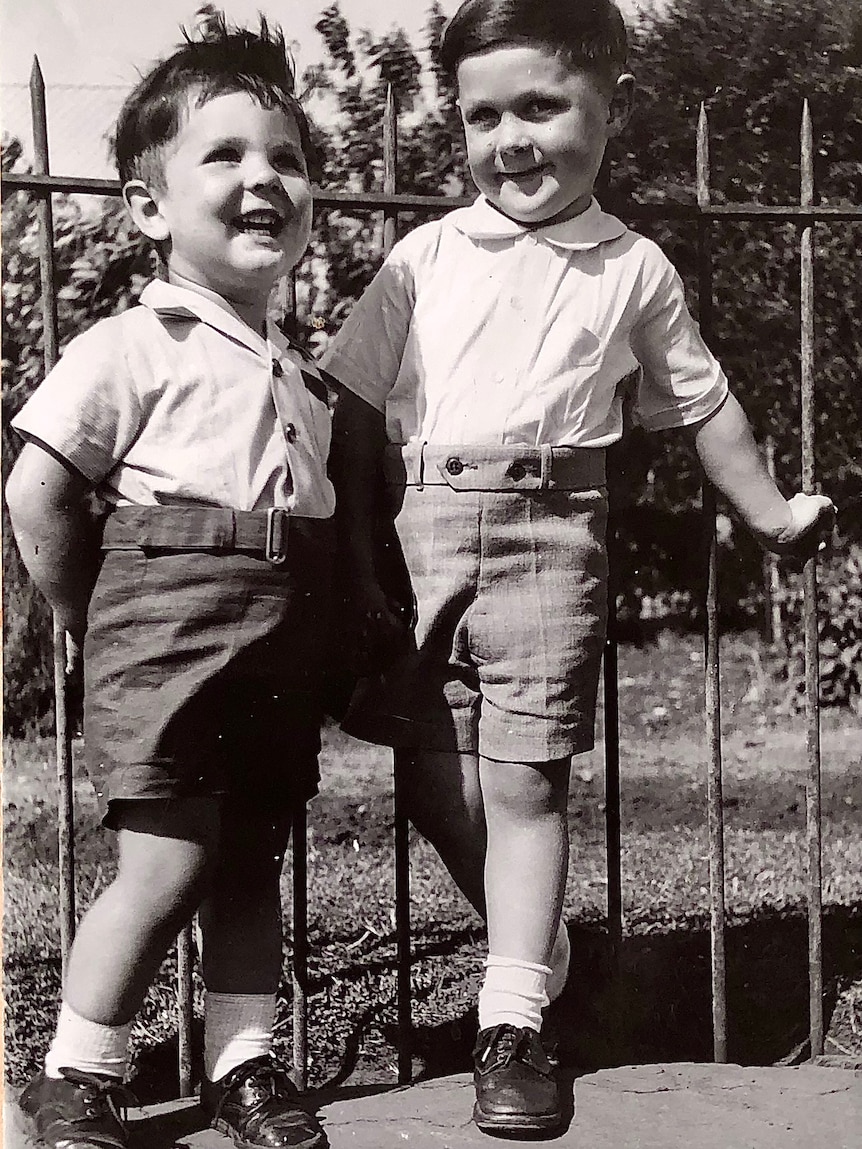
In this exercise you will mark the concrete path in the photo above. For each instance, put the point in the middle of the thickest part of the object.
(680, 1106)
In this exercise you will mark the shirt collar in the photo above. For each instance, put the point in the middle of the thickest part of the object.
(589, 229)
(170, 301)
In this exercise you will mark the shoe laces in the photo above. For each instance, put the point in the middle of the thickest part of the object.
(505, 1046)
(101, 1095)
(264, 1075)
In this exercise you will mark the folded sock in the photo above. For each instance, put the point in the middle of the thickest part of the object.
(87, 1045)
(512, 993)
(561, 955)
(237, 1027)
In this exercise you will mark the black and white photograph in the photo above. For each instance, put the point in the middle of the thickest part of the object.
(432, 574)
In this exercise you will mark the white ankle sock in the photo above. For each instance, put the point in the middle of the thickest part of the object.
(87, 1045)
(561, 955)
(237, 1026)
(512, 993)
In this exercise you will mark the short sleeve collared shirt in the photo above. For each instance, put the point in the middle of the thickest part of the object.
(177, 401)
(478, 330)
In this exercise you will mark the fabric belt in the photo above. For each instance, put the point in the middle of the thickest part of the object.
(495, 468)
(207, 528)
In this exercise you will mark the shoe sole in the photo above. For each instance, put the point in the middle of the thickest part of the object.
(220, 1126)
(511, 1123)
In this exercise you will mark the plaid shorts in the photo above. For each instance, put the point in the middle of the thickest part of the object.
(505, 549)
(202, 668)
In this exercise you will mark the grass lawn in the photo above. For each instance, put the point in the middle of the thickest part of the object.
(655, 1006)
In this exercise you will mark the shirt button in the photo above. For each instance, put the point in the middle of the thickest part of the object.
(290, 433)
(516, 472)
(277, 369)
(454, 466)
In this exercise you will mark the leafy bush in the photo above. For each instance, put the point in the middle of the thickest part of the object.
(839, 599)
(101, 266)
(752, 64)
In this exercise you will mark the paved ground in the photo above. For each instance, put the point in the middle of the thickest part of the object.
(640, 1107)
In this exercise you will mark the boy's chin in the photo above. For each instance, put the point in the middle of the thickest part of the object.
(541, 213)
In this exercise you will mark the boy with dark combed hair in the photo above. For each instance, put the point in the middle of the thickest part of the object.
(202, 601)
(485, 370)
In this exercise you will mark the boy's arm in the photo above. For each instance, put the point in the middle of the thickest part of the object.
(732, 462)
(55, 533)
(358, 440)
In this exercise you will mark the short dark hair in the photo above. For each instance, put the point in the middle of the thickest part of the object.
(588, 34)
(224, 59)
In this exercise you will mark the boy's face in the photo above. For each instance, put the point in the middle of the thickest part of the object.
(236, 206)
(536, 130)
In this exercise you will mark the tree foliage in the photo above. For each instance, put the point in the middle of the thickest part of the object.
(751, 63)
(101, 266)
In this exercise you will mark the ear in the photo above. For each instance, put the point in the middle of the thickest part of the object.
(621, 104)
(146, 211)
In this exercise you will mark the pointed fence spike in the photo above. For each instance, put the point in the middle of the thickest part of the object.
(37, 80)
(806, 149)
(702, 158)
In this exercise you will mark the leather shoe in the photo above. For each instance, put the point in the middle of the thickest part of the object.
(258, 1105)
(515, 1087)
(78, 1110)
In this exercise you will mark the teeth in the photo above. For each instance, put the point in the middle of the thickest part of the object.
(262, 220)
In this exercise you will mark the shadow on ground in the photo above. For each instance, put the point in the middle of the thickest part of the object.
(654, 1003)
(651, 1003)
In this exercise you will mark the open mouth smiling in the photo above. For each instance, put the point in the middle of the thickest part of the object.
(263, 221)
(524, 176)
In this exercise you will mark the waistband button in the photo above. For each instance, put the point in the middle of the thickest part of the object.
(516, 472)
(454, 466)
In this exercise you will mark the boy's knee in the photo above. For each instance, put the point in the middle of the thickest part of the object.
(168, 850)
(525, 790)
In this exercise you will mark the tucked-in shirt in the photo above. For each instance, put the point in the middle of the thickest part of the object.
(479, 330)
(177, 400)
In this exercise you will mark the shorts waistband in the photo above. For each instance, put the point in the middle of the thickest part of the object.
(209, 528)
(495, 468)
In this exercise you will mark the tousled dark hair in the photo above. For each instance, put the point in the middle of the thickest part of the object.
(587, 34)
(226, 59)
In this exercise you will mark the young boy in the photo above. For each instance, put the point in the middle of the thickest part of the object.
(203, 618)
(486, 367)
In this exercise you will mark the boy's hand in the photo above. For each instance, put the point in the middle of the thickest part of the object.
(812, 518)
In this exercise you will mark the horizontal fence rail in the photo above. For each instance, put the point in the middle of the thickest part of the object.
(707, 214)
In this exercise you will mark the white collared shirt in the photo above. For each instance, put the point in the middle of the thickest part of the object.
(179, 401)
(478, 330)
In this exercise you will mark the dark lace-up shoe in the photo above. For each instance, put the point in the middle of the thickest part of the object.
(515, 1087)
(78, 1110)
(259, 1107)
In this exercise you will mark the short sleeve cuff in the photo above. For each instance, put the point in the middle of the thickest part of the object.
(686, 412)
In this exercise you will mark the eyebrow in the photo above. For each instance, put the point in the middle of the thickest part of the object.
(522, 98)
(285, 144)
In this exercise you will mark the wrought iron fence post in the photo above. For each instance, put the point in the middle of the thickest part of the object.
(62, 728)
(403, 955)
(812, 656)
(712, 675)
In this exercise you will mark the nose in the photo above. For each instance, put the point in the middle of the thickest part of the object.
(260, 172)
(512, 136)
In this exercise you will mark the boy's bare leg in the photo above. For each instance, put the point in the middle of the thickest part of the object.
(527, 855)
(165, 859)
(442, 795)
(501, 829)
(241, 919)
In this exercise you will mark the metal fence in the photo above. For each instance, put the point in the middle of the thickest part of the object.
(706, 214)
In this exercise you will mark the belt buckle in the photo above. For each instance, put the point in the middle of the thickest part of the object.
(275, 550)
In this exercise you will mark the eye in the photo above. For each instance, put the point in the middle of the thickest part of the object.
(225, 154)
(542, 108)
(483, 118)
(288, 160)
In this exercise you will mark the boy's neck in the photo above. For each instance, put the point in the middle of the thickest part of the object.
(252, 314)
